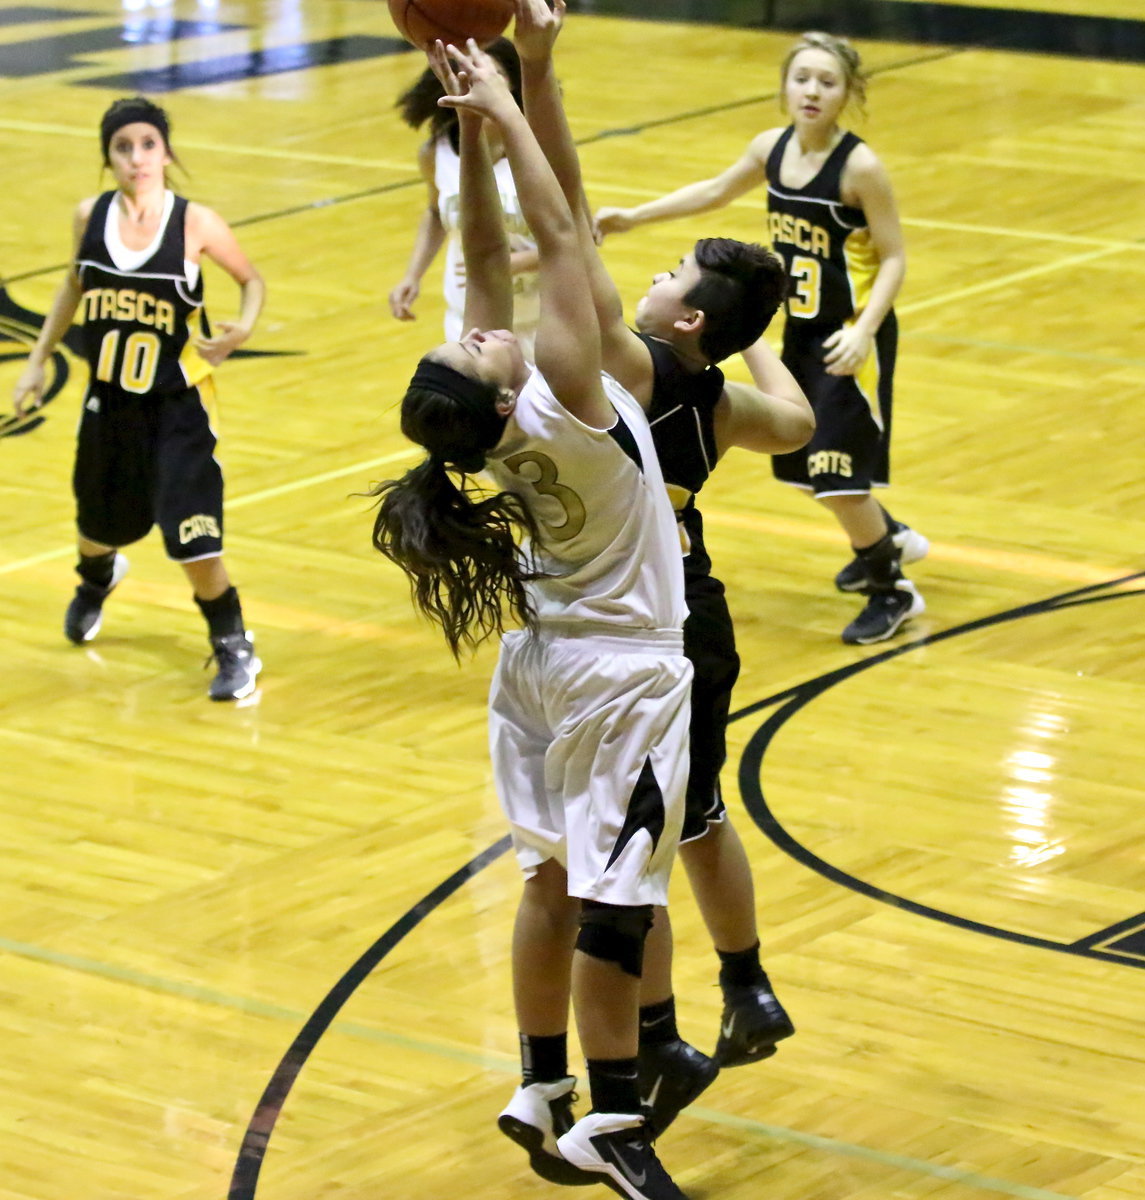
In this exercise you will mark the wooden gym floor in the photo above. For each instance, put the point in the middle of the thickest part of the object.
(946, 830)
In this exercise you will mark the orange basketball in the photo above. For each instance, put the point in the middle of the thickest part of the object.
(421, 22)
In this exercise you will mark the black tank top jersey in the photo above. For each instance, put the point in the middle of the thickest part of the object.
(139, 325)
(682, 417)
(826, 244)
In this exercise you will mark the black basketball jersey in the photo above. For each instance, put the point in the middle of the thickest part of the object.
(139, 325)
(682, 417)
(826, 244)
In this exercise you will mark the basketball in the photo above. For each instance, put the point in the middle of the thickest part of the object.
(421, 22)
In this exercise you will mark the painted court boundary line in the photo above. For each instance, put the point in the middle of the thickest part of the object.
(507, 1066)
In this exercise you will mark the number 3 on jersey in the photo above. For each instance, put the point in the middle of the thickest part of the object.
(140, 360)
(805, 275)
(543, 479)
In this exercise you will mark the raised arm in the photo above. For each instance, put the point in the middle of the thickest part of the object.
(773, 417)
(623, 354)
(484, 243)
(568, 339)
(747, 172)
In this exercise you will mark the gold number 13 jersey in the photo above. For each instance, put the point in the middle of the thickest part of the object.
(831, 262)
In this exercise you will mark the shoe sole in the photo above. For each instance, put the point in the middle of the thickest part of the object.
(918, 605)
(546, 1165)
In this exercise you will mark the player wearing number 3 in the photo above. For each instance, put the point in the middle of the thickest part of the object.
(589, 706)
(832, 218)
(145, 453)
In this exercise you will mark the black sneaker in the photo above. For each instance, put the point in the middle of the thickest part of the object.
(753, 1021)
(672, 1075)
(537, 1115)
(238, 666)
(884, 613)
(85, 613)
(616, 1148)
(912, 546)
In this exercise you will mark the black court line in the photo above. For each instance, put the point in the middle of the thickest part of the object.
(755, 802)
(1111, 932)
(256, 1139)
(417, 181)
(244, 1180)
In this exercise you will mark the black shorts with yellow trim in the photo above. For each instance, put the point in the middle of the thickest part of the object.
(849, 453)
(144, 460)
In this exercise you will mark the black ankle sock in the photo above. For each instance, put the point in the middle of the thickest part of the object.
(224, 614)
(658, 1023)
(96, 569)
(544, 1059)
(741, 968)
(882, 563)
(613, 1084)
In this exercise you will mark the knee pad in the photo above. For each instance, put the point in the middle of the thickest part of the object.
(615, 934)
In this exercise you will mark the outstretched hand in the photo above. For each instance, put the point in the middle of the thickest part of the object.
(537, 28)
(611, 220)
(471, 80)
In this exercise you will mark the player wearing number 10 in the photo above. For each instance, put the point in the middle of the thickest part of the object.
(146, 447)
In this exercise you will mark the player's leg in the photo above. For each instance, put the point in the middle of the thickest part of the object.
(877, 379)
(111, 481)
(189, 506)
(672, 1072)
(547, 921)
(540, 1110)
(624, 808)
(842, 460)
(753, 1020)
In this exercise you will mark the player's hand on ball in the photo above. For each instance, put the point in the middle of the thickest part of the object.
(537, 28)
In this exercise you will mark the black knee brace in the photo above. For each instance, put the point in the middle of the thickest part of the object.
(615, 934)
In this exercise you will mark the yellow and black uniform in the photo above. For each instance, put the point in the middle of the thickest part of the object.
(145, 452)
(682, 417)
(831, 265)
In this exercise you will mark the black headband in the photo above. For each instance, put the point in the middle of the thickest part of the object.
(128, 112)
(475, 398)
(472, 394)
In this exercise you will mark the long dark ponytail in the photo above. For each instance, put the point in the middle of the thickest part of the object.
(459, 545)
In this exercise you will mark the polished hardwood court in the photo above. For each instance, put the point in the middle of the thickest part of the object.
(946, 829)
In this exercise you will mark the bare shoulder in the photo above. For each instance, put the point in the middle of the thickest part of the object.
(199, 216)
(864, 176)
(763, 143)
(82, 213)
(80, 217)
(203, 225)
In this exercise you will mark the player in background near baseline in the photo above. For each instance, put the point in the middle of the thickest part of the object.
(439, 164)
